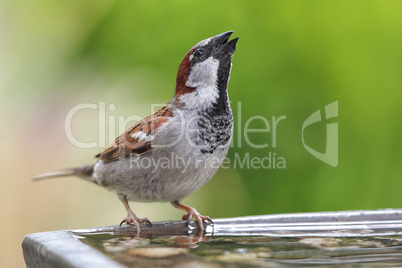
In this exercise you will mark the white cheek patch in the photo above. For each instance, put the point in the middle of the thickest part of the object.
(203, 73)
(203, 77)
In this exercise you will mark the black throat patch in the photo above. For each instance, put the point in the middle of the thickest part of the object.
(216, 123)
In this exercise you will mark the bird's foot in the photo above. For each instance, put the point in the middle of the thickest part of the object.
(133, 219)
(193, 213)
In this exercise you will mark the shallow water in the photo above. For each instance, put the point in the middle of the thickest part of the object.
(248, 251)
(319, 239)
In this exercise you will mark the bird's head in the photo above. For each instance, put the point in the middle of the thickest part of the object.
(204, 72)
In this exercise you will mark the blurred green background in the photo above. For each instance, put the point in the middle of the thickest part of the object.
(293, 58)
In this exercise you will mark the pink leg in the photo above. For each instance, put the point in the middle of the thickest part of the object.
(132, 218)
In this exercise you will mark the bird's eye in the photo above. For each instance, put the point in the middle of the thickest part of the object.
(198, 53)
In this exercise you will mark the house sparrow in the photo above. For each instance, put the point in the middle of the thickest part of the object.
(173, 152)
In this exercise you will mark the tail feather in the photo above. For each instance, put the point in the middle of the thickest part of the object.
(83, 172)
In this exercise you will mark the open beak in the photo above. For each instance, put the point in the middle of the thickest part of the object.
(222, 47)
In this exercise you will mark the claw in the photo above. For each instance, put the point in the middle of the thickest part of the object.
(132, 219)
(192, 213)
(206, 218)
(145, 220)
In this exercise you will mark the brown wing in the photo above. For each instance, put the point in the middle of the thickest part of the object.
(138, 139)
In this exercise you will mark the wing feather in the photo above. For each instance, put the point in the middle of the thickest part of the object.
(138, 139)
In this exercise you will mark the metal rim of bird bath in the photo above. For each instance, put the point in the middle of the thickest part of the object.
(64, 248)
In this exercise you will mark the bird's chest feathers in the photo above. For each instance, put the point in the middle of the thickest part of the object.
(207, 133)
(214, 132)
